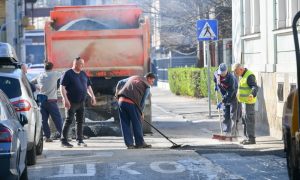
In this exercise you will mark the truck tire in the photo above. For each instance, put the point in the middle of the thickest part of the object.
(292, 160)
(146, 127)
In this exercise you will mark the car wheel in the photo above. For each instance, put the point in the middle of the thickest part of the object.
(40, 145)
(24, 175)
(31, 155)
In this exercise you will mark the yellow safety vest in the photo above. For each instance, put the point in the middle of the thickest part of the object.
(244, 90)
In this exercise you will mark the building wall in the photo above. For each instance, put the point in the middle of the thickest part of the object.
(2, 20)
(2, 11)
(13, 31)
(263, 42)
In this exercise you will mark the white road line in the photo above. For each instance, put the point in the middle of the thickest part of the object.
(68, 171)
(91, 169)
(155, 166)
(162, 109)
(127, 169)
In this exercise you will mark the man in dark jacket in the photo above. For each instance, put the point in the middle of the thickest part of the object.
(226, 83)
(132, 94)
(247, 93)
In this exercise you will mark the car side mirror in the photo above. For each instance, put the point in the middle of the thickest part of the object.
(23, 119)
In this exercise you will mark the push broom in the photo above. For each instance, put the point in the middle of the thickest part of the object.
(221, 136)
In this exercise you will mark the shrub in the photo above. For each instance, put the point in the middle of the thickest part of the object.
(191, 81)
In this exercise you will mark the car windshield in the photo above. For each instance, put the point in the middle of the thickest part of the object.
(10, 86)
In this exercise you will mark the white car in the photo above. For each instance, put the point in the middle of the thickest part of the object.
(14, 83)
(34, 70)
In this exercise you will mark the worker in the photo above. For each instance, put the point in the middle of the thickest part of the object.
(247, 95)
(226, 83)
(132, 94)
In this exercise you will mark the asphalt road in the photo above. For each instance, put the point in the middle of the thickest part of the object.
(185, 121)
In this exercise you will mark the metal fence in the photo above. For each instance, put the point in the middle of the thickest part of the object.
(160, 66)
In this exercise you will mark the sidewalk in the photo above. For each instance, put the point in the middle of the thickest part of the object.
(184, 118)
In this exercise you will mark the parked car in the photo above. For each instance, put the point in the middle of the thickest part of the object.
(16, 86)
(13, 141)
(34, 70)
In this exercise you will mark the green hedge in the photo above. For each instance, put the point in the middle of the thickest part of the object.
(191, 81)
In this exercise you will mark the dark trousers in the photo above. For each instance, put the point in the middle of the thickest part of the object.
(76, 109)
(249, 121)
(130, 116)
(231, 113)
(50, 108)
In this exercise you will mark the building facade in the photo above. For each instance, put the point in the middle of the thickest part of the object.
(11, 24)
(262, 40)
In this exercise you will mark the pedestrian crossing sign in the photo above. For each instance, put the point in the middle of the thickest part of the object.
(207, 30)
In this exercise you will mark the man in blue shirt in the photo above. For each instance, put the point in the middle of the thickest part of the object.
(75, 85)
(132, 94)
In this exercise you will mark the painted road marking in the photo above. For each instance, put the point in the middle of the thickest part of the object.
(127, 169)
(155, 166)
(67, 170)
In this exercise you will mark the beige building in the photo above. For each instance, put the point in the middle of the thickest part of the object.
(262, 40)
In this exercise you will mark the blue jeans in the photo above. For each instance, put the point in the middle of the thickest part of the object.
(50, 108)
(130, 116)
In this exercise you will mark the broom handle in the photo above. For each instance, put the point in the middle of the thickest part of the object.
(219, 113)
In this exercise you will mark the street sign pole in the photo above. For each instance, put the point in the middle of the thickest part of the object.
(207, 30)
(208, 60)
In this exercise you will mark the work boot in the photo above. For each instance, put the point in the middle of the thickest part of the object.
(130, 147)
(249, 141)
(143, 146)
(81, 144)
(48, 140)
(66, 144)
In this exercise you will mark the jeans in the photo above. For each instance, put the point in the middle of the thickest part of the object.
(50, 108)
(76, 109)
(130, 116)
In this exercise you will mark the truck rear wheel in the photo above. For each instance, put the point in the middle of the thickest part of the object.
(146, 127)
(148, 116)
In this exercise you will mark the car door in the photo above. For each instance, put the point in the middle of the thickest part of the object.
(35, 108)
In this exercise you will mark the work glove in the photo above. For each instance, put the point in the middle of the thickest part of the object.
(219, 105)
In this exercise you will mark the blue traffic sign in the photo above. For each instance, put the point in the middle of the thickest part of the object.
(207, 30)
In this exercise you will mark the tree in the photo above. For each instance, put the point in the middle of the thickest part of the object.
(177, 20)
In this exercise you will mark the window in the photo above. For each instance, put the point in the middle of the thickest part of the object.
(27, 87)
(251, 16)
(284, 12)
(280, 92)
(293, 87)
(10, 86)
(3, 112)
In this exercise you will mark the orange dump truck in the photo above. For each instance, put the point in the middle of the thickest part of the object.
(114, 41)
